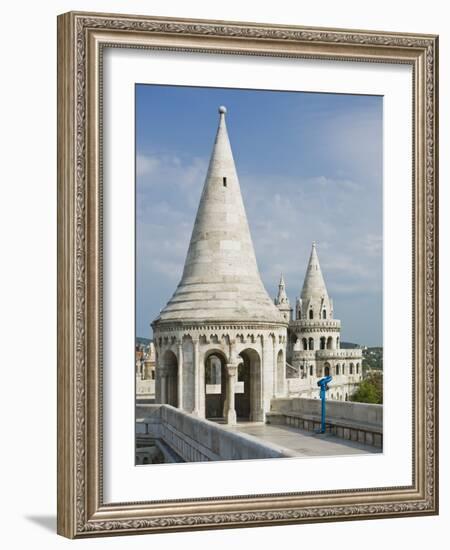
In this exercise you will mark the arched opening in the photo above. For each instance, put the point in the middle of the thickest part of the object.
(343, 368)
(213, 371)
(357, 368)
(337, 369)
(280, 372)
(169, 383)
(311, 343)
(322, 342)
(310, 313)
(330, 342)
(324, 314)
(338, 344)
(311, 370)
(248, 402)
(327, 369)
(351, 368)
(305, 343)
(215, 384)
(346, 396)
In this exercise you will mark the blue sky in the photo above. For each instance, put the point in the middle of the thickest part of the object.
(310, 168)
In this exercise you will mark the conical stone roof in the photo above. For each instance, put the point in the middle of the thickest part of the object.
(314, 284)
(221, 281)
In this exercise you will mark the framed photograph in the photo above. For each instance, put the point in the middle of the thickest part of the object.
(247, 274)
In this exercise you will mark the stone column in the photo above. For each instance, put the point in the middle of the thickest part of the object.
(163, 386)
(282, 384)
(196, 377)
(180, 374)
(258, 411)
(225, 402)
(230, 413)
(275, 365)
(201, 385)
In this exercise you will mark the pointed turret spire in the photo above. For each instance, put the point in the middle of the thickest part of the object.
(282, 296)
(220, 280)
(314, 295)
(282, 301)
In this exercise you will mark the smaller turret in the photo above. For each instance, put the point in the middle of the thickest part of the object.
(314, 302)
(282, 301)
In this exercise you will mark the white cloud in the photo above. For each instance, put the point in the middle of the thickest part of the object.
(372, 245)
(325, 182)
(169, 169)
(145, 165)
(171, 181)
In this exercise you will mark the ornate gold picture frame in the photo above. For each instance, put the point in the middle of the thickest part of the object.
(82, 39)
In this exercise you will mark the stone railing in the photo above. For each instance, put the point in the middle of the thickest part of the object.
(342, 353)
(304, 354)
(145, 388)
(320, 324)
(360, 422)
(305, 381)
(195, 439)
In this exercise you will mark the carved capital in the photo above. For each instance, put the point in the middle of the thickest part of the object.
(232, 369)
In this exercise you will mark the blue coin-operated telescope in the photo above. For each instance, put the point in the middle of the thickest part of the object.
(323, 385)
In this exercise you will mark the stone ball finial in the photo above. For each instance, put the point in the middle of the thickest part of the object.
(222, 109)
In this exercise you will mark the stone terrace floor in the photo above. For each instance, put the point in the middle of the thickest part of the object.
(302, 442)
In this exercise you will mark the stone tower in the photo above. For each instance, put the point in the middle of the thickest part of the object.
(220, 341)
(282, 301)
(314, 340)
(314, 302)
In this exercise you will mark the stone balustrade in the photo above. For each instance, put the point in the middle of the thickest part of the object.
(145, 388)
(360, 422)
(195, 439)
(320, 324)
(346, 354)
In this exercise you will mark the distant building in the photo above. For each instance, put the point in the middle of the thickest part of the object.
(145, 372)
(145, 361)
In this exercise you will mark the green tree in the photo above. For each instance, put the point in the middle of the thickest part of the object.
(370, 390)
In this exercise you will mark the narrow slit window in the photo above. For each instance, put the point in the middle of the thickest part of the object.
(224, 181)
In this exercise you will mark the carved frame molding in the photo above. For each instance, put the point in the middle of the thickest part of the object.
(81, 37)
